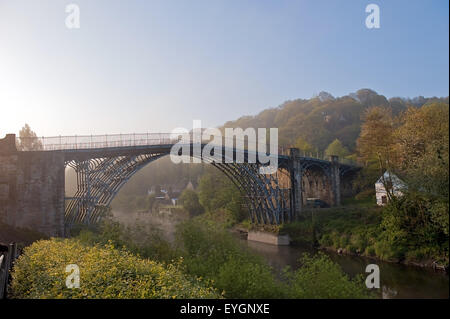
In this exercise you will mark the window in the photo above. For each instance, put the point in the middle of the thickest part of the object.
(384, 199)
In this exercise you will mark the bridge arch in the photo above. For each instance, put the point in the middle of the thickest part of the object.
(100, 179)
(316, 181)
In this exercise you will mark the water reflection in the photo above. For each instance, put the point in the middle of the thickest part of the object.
(397, 281)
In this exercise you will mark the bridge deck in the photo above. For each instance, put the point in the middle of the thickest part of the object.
(81, 147)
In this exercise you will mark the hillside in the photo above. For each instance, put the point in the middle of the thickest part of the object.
(318, 121)
(323, 118)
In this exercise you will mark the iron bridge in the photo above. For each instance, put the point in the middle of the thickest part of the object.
(104, 163)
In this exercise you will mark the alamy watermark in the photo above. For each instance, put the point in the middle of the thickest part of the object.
(373, 19)
(73, 279)
(72, 20)
(373, 279)
(237, 146)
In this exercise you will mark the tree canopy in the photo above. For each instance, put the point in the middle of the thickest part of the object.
(28, 140)
(336, 148)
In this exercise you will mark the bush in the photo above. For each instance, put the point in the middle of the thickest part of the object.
(385, 251)
(368, 194)
(326, 241)
(300, 232)
(370, 251)
(415, 221)
(189, 200)
(105, 272)
(241, 278)
(211, 252)
(319, 277)
(138, 239)
(343, 241)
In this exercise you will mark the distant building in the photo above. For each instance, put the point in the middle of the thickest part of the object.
(169, 194)
(393, 182)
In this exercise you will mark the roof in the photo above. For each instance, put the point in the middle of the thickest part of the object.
(391, 176)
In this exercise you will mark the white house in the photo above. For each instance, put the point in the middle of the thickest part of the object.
(397, 186)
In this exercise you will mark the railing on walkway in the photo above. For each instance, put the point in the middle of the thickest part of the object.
(79, 142)
(76, 142)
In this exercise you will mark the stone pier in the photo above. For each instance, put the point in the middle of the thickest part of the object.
(268, 238)
(31, 188)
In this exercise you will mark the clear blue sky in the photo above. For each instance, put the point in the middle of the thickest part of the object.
(138, 66)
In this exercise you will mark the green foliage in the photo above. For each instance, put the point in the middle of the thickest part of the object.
(410, 229)
(352, 228)
(415, 222)
(217, 192)
(105, 272)
(319, 277)
(138, 239)
(415, 144)
(210, 260)
(336, 148)
(300, 233)
(367, 196)
(318, 121)
(375, 142)
(304, 146)
(189, 200)
(241, 278)
(211, 252)
(423, 142)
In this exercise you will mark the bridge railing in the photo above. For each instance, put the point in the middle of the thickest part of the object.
(78, 142)
(320, 155)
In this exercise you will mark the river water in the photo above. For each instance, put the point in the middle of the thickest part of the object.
(397, 281)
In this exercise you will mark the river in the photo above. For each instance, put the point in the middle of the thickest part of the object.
(397, 280)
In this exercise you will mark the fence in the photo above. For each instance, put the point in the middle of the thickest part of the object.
(78, 142)
(75, 142)
(8, 254)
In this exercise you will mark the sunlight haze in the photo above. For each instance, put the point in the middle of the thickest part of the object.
(152, 66)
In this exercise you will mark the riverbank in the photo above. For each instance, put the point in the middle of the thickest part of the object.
(242, 234)
(361, 231)
(397, 280)
(358, 230)
(427, 264)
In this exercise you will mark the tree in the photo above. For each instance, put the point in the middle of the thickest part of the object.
(217, 192)
(336, 148)
(423, 142)
(304, 146)
(28, 140)
(376, 143)
(189, 200)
